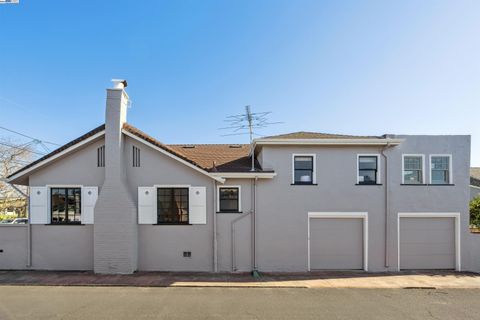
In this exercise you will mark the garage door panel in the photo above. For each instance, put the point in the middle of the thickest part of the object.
(336, 243)
(427, 243)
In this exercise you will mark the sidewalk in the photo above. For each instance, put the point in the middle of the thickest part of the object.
(430, 279)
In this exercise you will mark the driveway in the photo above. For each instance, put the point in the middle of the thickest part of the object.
(37, 302)
(431, 279)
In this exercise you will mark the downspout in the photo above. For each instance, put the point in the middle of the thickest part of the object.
(215, 253)
(29, 232)
(254, 233)
(387, 207)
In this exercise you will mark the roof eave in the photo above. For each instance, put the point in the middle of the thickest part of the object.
(244, 175)
(374, 142)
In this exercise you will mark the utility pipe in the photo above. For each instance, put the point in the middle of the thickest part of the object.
(215, 253)
(387, 208)
(254, 220)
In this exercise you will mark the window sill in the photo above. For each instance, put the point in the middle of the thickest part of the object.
(369, 184)
(424, 184)
(229, 211)
(304, 184)
(64, 224)
(171, 224)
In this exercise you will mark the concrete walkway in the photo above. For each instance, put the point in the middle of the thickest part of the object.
(430, 279)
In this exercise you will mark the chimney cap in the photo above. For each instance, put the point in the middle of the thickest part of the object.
(119, 83)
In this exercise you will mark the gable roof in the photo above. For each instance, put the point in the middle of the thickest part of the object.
(475, 177)
(207, 157)
(57, 151)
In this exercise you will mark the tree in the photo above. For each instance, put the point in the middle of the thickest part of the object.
(475, 212)
(12, 158)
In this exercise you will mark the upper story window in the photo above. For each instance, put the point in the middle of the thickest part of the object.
(172, 205)
(229, 199)
(368, 168)
(304, 169)
(413, 172)
(66, 205)
(441, 169)
(136, 157)
(101, 156)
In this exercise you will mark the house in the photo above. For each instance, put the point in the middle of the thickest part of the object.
(117, 200)
(474, 182)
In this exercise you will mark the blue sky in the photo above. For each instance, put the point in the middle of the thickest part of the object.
(355, 67)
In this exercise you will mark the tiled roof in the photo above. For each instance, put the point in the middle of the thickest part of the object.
(475, 176)
(64, 147)
(317, 135)
(219, 157)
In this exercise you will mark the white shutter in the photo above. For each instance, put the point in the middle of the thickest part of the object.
(38, 205)
(146, 205)
(197, 205)
(89, 198)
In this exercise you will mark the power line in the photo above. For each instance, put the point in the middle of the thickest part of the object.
(26, 136)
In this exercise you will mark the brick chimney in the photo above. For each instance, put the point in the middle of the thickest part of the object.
(115, 222)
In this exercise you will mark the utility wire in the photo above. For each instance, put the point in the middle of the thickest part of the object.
(26, 136)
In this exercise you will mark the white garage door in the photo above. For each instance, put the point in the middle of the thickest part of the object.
(427, 243)
(336, 243)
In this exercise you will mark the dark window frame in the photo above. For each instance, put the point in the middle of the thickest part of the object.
(238, 209)
(312, 170)
(161, 218)
(66, 222)
(373, 182)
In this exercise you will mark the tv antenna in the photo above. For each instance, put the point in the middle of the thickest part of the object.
(247, 123)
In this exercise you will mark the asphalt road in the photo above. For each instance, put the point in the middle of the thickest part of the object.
(22, 302)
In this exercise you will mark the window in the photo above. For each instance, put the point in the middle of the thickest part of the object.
(368, 169)
(413, 169)
(440, 166)
(304, 169)
(136, 157)
(229, 199)
(101, 156)
(172, 205)
(65, 205)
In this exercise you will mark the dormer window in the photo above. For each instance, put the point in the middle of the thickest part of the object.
(304, 169)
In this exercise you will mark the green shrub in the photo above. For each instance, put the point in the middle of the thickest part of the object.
(475, 212)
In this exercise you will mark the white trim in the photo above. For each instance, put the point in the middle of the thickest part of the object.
(131, 135)
(450, 175)
(239, 197)
(240, 175)
(314, 173)
(341, 215)
(50, 159)
(375, 142)
(379, 166)
(456, 215)
(475, 187)
(423, 166)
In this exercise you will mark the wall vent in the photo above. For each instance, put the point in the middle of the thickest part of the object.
(187, 254)
(136, 157)
(101, 156)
